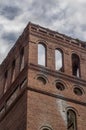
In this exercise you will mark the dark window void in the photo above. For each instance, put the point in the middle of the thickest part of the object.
(22, 59)
(75, 65)
(78, 91)
(60, 86)
(71, 120)
(13, 71)
(41, 54)
(41, 80)
(59, 60)
(5, 81)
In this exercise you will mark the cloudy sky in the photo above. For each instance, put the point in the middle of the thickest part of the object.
(64, 16)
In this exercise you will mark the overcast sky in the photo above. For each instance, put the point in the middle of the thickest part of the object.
(64, 16)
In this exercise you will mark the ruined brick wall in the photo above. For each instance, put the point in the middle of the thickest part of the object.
(40, 96)
(54, 40)
(14, 54)
(13, 95)
(49, 103)
(15, 117)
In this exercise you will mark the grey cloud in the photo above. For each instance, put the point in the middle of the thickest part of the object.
(10, 37)
(10, 12)
(42, 10)
(1, 27)
(65, 16)
(83, 27)
(48, 11)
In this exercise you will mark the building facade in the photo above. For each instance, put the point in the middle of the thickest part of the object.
(43, 82)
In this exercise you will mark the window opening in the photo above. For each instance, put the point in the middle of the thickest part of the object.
(41, 54)
(60, 86)
(78, 91)
(5, 82)
(13, 97)
(13, 71)
(23, 83)
(75, 65)
(41, 80)
(22, 59)
(71, 120)
(58, 60)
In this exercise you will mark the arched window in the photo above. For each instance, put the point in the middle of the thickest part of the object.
(71, 120)
(5, 81)
(13, 71)
(59, 60)
(22, 59)
(41, 54)
(75, 65)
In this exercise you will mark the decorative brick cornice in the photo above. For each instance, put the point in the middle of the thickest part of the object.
(38, 30)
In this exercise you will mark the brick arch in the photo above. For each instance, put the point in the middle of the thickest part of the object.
(60, 48)
(77, 86)
(60, 81)
(74, 52)
(46, 127)
(42, 41)
(73, 109)
(42, 76)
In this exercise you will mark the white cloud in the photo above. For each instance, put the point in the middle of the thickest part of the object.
(64, 16)
(4, 48)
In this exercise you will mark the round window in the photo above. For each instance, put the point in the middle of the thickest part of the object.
(41, 80)
(60, 86)
(78, 91)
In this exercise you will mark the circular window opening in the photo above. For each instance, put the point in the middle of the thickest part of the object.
(60, 86)
(78, 91)
(41, 80)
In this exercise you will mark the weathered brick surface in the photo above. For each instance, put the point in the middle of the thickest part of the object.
(49, 111)
(15, 119)
(49, 105)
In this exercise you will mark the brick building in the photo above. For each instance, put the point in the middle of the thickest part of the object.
(43, 82)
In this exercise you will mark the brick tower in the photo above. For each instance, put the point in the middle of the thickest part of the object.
(43, 82)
